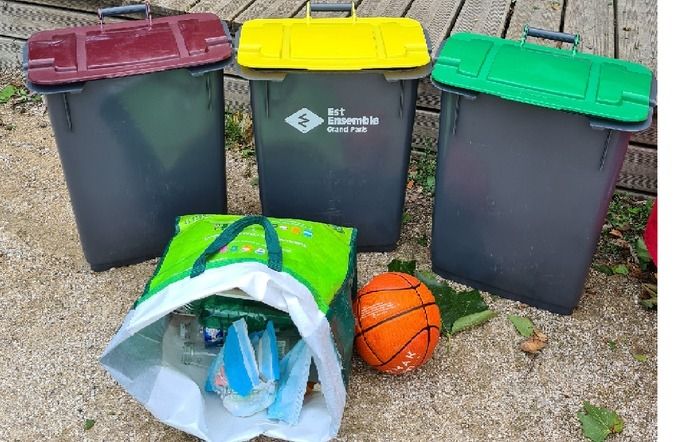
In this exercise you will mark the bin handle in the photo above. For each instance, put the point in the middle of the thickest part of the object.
(129, 9)
(274, 250)
(330, 7)
(574, 39)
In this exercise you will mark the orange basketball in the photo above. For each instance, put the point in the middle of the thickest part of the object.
(397, 323)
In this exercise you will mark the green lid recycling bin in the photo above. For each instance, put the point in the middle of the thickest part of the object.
(333, 103)
(532, 139)
(137, 112)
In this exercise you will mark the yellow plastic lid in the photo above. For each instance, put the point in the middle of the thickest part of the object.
(338, 43)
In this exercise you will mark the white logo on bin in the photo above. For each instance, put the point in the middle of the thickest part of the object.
(304, 120)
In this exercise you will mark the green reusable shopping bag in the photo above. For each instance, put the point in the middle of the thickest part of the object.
(304, 268)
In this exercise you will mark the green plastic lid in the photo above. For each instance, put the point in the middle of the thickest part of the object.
(545, 76)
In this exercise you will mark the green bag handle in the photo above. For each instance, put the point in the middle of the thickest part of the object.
(274, 250)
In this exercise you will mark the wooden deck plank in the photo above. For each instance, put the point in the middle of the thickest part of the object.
(636, 31)
(79, 5)
(648, 136)
(269, 9)
(639, 169)
(637, 41)
(10, 53)
(226, 9)
(482, 16)
(384, 8)
(594, 20)
(19, 20)
(302, 12)
(437, 17)
(544, 14)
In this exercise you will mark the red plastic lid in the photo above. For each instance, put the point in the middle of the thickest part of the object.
(130, 48)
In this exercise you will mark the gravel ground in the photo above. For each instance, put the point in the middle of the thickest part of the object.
(56, 317)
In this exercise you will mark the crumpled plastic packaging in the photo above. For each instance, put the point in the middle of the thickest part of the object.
(294, 374)
(245, 380)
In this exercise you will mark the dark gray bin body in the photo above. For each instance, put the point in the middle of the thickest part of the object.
(351, 179)
(137, 152)
(521, 196)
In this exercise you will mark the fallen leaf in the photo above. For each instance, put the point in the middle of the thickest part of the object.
(7, 92)
(522, 324)
(539, 335)
(472, 320)
(605, 269)
(598, 423)
(620, 269)
(430, 184)
(453, 305)
(640, 249)
(89, 423)
(640, 357)
(532, 345)
(615, 232)
(409, 184)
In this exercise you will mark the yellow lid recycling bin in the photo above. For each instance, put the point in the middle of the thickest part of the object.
(333, 104)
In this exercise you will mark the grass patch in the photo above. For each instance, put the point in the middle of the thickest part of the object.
(624, 225)
(17, 95)
(621, 249)
(238, 132)
(422, 170)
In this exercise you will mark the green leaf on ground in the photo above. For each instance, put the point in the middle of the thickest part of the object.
(89, 423)
(612, 345)
(396, 265)
(598, 423)
(430, 184)
(640, 248)
(7, 92)
(621, 269)
(522, 324)
(453, 305)
(602, 268)
(472, 320)
(640, 357)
